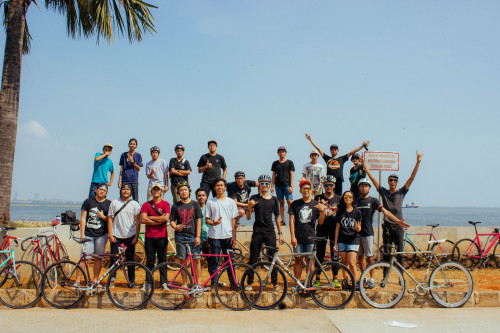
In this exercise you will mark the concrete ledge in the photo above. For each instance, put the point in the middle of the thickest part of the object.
(483, 298)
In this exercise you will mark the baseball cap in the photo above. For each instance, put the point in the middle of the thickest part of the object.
(282, 148)
(304, 182)
(212, 141)
(393, 175)
(107, 144)
(314, 151)
(180, 147)
(334, 146)
(156, 185)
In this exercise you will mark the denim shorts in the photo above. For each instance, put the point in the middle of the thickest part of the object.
(343, 247)
(282, 192)
(303, 248)
(181, 249)
(97, 245)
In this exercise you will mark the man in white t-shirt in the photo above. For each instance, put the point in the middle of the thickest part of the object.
(314, 172)
(124, 225)
(221, 213)
(157, 172)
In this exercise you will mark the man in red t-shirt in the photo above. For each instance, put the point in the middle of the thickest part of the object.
(155, 215)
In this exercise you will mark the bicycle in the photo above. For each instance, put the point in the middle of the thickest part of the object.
(19, 280)
(449, 283)
(442, 250)
(229, 280)
(6, 246)
(239, 255)
(320, 284)
(60, 290)
(471, 253)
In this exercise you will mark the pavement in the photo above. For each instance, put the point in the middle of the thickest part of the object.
(291, 320)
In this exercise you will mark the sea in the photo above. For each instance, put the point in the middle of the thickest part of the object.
(445, 216)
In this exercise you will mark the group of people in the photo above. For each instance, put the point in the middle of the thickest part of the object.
(209, 226)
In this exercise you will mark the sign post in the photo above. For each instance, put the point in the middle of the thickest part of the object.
(381, 161)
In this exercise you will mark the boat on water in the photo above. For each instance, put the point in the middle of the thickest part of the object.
(412, 205)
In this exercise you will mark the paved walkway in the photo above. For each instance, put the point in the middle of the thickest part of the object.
(293, 320)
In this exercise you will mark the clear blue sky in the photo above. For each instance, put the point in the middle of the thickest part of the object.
(255, 75)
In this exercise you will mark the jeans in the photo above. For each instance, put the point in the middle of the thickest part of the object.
(216, 245)
(208, 188)
(129, 254)
(156, 249)
(393, 234)
(259, 238)
(135, 191)
(93, 186)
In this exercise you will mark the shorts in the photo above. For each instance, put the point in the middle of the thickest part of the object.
(282, 193)
(181, 249)
(366, 246)
(343, 247)
(97, 245)
(303, 248)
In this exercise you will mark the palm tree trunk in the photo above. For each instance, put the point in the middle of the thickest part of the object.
(9, 102)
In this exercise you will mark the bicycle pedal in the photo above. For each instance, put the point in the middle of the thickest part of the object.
(293, 290)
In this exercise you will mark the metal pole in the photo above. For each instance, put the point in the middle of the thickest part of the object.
(379, 216)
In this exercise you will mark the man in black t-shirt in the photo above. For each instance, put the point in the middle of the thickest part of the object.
(303, 216)
(368, 205)
(211, 165)
(239, 191)
(283, 181)
(392, 199)
(334, 163)
(93, 225)
(356, 173)
(265, 206)
(180, 169)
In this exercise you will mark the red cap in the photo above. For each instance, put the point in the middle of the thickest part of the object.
(304, 182)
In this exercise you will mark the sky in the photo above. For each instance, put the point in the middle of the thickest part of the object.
(255, 75)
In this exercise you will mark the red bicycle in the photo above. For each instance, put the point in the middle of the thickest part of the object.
(470, 253)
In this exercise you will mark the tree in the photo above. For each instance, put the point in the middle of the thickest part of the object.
(85, 18)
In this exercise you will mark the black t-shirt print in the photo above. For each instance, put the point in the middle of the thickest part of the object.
(331, 208)
(282, 172)
(182, 165)
(240, 194)
(264, 211)
(306, 215)
(215, 172)
(335, 166)
(186, 214)
(94, 226)
(347, 221)
(368, 207)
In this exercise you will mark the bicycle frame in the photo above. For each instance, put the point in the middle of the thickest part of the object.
(429, 244)
(477, 241)
(11, 258)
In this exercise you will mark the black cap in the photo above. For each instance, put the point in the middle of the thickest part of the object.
(212, 141)
(393, 175)
(179, 147)
(334, 146)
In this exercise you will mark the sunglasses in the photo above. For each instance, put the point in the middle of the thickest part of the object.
(348, 196)
(264, 183)
(393, 180)
(305, 189)
(328, 185)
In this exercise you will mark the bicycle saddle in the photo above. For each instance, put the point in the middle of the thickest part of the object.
(317, 239)
(433, 225)
(474, 223)
(8, 228)
(82, 240)
(55, 223)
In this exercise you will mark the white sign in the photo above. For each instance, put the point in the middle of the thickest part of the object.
(384, 161)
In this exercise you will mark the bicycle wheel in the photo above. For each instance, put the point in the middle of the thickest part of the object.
(389, 285)
(443, 250)
(451, 284)
(59, 287)
(230, 292)
(61, 253)
(327, 294)
(140, 252)
(20, 289)
(410, 258)
(285, 248)
(169, 293)
(237, 253)
(38, 259)
(130, 286)
(466, 252)
(274, 286)
(496, 255)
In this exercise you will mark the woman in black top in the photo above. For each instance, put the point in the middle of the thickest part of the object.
(348, 221)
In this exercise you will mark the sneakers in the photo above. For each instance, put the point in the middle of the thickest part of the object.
(165, 286)
(184, 285)
(135, 285)
(336, 283)
(317, 282)
(277, 288)
(248, 288)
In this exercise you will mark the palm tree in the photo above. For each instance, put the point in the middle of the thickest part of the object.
(85, 18)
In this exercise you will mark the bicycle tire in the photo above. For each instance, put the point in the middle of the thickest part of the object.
(140, 252)
(384, 295)
(326, 290)
(237, 253)
(410, 258)
(23, 290)
(284, 248)
(140, 288)
(457, 287)
(443, 250)
(274, 297)
(496, 255)
(38, 259)
(231, 295)
(61, 253)
(466, 253)
(60, 291)
(173, 298)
